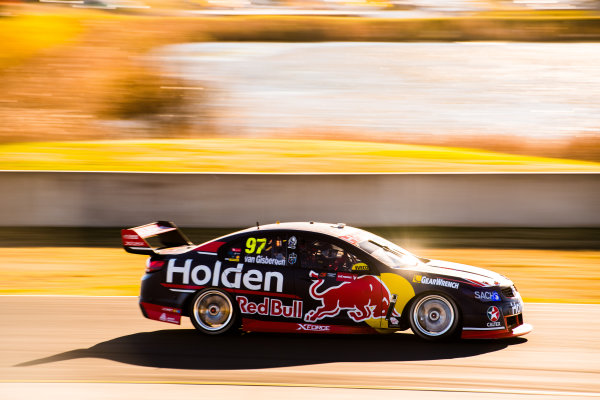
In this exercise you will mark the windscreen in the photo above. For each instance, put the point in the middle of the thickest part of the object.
(388, 252)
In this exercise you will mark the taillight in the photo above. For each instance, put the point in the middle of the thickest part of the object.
(154, 265)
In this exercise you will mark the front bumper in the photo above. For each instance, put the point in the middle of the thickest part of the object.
(501, 317)
(484, 333)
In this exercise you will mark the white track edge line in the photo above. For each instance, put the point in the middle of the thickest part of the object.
(317, 386)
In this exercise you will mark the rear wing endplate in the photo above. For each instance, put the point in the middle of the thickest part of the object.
(151, 238)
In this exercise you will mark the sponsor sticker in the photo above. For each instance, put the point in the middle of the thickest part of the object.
(313, 328)
(487, 296)
(360, 267)
(516, 307)
(292, 242)
(170, 310)
(135, 244)
(234, 277)
(292, 258)
(164, 314)
(131, 239)
(493, 314)
(345, 277)
(323, 275)
(233, 255)
(167, 318)
(271, 307)
(425, 280)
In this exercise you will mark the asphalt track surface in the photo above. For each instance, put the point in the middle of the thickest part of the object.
(102, 347)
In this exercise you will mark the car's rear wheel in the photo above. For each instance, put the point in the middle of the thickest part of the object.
(434, 317)
(212, 312)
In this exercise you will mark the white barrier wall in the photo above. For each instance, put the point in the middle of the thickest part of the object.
(237, 200)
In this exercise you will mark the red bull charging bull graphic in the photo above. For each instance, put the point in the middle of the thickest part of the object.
(363, 297)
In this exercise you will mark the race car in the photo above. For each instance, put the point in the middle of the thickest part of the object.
(319, 278)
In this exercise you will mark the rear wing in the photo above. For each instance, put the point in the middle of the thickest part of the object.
(152, 238)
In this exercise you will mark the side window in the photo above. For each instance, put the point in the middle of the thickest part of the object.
(323, 255)
(231, 251)
(264, 249)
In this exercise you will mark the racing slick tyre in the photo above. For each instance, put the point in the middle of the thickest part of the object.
(212, 312)
(434, 316)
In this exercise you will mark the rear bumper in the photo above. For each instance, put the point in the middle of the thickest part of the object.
(475, 333)
(161, 313)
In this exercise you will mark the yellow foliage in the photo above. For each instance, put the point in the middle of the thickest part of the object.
(25, 36)
(269, 155)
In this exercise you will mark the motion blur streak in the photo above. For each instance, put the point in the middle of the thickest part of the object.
(457, 89)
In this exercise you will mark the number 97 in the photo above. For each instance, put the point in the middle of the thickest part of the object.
(251, 245)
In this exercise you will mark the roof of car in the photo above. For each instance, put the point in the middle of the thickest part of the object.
(336, 230)
(341, 231)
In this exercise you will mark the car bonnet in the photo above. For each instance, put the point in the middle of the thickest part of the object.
(482, 276)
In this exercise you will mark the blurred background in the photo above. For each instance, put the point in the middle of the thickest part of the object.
(450, 88)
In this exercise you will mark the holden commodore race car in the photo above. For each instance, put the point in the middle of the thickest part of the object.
(320, 278)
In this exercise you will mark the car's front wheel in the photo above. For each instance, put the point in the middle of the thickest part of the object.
(212, 312)
(434, 317)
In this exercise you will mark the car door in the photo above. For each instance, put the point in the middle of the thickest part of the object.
(264, 289)
(338, 287)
